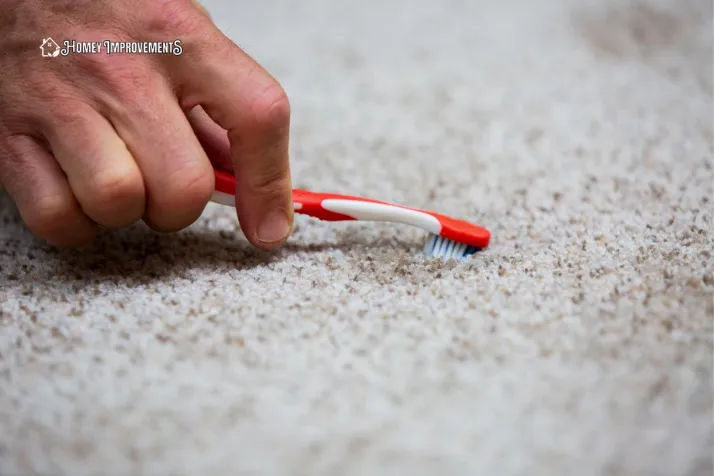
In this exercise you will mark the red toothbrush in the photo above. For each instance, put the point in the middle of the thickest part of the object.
(451, 238)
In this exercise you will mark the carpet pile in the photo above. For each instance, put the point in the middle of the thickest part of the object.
(580, 343)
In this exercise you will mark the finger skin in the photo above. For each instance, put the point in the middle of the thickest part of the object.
(145, 99)
(201, 7)
(100, 169)
(42, 194)
(213, 139)
(251, 106)
(177, 174)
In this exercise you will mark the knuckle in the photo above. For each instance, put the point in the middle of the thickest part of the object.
(49, 216)
(201, 8)
(271, 109)
(96, 64)
(114, 191)
(181, 200)
(188, 187)
(49, 90)
(174, 17)
(70, 114)
(125, 77)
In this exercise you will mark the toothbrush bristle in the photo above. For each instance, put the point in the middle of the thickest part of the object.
(439, 247)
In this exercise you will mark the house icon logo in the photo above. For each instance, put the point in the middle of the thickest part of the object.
(49, 48)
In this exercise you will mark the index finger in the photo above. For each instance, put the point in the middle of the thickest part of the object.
(246, 101)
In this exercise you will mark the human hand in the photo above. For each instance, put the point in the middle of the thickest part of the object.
(94, 140)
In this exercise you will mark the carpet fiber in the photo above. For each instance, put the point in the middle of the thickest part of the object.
(579, 343)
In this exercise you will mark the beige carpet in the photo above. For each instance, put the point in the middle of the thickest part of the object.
(580, 343)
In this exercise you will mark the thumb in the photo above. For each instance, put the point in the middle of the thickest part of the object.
(250, 105)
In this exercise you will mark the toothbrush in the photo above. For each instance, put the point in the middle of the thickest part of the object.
(450, 238)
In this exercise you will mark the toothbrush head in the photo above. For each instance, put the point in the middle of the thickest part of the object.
(439, 247)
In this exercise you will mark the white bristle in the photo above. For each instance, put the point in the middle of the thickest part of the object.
(439, 247)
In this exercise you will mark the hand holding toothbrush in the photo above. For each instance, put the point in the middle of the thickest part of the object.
(90, 140)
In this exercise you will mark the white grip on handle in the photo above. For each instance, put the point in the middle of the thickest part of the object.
(382, 212)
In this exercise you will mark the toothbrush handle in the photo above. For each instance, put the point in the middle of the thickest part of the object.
(313, 204)
(336, 207)
(310, 203)
(305, 202)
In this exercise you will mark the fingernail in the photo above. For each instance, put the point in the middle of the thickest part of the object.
(274, 227)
